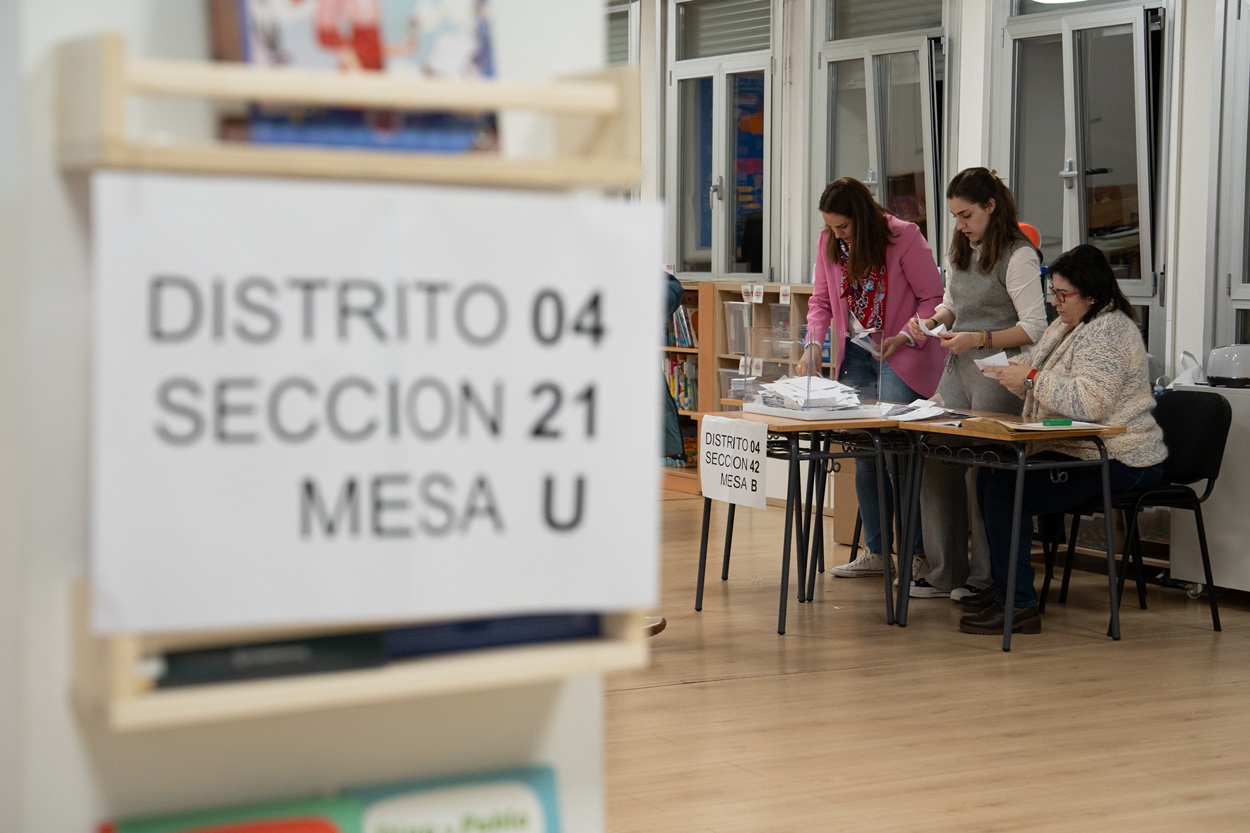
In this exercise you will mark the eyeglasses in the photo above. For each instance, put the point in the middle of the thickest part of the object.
(1060, 295)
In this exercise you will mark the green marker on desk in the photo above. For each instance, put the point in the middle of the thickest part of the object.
(1056, 421)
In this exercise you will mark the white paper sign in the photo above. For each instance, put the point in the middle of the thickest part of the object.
(784, 294)
(326, 402)
(731, 460)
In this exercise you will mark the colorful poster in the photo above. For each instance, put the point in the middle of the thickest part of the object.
(412, 38)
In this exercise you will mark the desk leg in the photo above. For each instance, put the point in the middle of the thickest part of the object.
(804, 515)
(1013, 551)
(910, 510)
(729, 542)
(707, 520)
(1113, 629)
(887, 533)
(817, 560)
(793, 490)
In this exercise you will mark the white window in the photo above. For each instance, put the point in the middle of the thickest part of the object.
(1232, 323)
(1085, 146)
(879, 105)
(623, 32)
(718, 143)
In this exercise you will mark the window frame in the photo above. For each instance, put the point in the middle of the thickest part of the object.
(718, 68)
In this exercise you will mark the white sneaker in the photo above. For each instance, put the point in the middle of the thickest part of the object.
(917, 568)
(868, 564)
(918, 565)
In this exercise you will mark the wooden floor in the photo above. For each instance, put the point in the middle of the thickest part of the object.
(846, 724)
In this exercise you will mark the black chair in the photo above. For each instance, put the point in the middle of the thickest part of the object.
(1195, 428)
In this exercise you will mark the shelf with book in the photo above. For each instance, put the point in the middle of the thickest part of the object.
(114, 678)
(592, 116)
(96, 78)
(693, 354)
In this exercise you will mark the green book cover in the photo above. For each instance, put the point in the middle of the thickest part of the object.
(318, 815)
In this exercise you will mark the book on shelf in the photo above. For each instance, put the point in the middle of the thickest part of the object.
(522, 799)
(365, 649)
(682, 376)
(492, 632)
(261, 660)
(681, 329)
(448, 39)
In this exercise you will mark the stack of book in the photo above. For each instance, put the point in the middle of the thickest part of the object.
(682, 328)
(683, 382)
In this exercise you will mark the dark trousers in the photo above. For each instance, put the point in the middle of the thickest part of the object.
(1052, 490)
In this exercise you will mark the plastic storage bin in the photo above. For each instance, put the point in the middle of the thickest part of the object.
(737, 326)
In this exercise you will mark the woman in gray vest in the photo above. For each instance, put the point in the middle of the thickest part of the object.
(993, 303)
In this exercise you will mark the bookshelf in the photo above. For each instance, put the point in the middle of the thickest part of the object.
(700, 303)
(476, 709)
(110, 687)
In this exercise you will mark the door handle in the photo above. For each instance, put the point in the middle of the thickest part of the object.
(717, 190)
(1069, 173)
(871, 180)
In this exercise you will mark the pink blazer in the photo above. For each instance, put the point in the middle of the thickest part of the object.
(913, 288)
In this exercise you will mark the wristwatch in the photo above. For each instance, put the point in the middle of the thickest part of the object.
(1028, 380)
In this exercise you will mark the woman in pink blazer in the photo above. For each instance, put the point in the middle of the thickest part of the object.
(874, 273)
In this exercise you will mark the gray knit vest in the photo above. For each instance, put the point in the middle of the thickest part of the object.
(982, 300)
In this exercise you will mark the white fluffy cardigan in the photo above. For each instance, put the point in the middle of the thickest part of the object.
(1095, 372)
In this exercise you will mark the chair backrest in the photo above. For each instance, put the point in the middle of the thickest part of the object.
(1195, 428)
(1030, 231)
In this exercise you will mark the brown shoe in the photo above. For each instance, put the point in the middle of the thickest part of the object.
(978, 601)
(653, 625)
(990, 620)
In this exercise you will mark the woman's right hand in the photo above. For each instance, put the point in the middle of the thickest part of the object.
(809, 362)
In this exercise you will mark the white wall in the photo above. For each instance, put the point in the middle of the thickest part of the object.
(11, 458)
(57, 774)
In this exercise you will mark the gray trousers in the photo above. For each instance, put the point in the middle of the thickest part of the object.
(948, 494)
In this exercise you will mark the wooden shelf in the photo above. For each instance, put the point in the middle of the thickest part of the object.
(110, 688)
(595, 121)
(685, 350)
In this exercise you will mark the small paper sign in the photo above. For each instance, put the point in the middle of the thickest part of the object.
(785, 294)
(757, 294)
(746, 292)
(731, 460)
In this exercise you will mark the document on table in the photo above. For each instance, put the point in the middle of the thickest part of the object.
(1005, 428)
(920, 409)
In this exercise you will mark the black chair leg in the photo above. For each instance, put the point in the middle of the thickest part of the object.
(1206, 568)
(1071, 556)
(1132, 550)
(729, 543)
(1051, 529)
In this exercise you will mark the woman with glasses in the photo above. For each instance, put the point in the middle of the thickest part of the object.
(874, 272)
(1090, 365)
(993, 303)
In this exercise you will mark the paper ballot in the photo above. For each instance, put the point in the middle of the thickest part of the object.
(936, 331)
(996, 360)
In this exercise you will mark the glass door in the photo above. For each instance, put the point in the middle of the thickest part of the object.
(719, 115)
(1085, 93)
(721, 176)
(876, 105)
